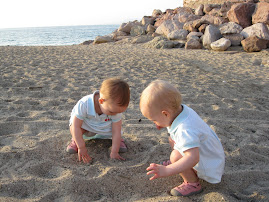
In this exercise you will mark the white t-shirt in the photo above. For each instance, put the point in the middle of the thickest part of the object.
(93, 122)
(188, 131)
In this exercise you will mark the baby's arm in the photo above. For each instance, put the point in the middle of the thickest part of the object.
(116, 139)
(77, 134)
(189, 160)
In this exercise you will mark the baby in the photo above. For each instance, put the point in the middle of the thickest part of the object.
(196, 150)
(98, 115)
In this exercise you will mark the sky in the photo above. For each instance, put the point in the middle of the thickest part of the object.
(42, 13)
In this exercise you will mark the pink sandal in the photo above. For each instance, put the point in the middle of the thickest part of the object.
(187, 189)
(166, 163)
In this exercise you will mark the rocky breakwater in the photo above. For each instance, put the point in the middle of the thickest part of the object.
(209, 26)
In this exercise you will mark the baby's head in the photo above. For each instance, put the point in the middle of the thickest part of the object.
(114, 96)
(160, 102)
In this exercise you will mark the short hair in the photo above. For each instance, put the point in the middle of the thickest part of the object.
(161, 95)
(117, 90)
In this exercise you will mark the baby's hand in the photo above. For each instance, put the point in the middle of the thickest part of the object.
(115, 155)
(157, 170)
(83, 154)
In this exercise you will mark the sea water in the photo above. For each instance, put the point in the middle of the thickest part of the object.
(53, 36)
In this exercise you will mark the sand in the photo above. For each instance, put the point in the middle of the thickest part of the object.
(40, 86)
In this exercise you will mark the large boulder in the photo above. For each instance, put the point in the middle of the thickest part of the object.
(230, 28)
(160, 43)
(241, 14)
(197, 34)
(126, 27)
(148, 20)
(221, 44)
(103, 39)
(178, 35)
(168, 26)
(225, 7)
(209, 7)
(214, 20)
(137, 30)
(261, 13)
(193, 44)
(141, 39)
(260, 30)
(156, 13)
(211, 34)
(167, 15)
(150, 29)
(254, 44)
(185, 14)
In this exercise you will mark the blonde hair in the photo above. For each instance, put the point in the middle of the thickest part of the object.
(117, 90)
(161, 95)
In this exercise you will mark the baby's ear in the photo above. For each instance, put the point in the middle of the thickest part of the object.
(101, 100)
(166, 113)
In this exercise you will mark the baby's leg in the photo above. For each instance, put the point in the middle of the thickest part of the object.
(72, 147)
(188, 175)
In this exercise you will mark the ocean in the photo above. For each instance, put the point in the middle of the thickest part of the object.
(53, 36)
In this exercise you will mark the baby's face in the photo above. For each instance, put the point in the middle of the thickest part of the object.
(159, 118)
(110, 108)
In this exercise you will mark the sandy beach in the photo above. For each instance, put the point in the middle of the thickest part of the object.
(40, 86)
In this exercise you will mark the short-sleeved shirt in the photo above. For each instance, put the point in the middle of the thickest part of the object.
(93, 122)
(188, 131)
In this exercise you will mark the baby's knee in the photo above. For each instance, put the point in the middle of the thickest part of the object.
(175, 156)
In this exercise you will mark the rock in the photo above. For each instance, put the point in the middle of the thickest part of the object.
(215, 20)
(103, 39)
(156, 13)
(225, 7)
(202, 28)
(184, 17)
(183, 10)
(168, 15)
(87, 42)
(261, 13)
(148, 20)
(199, 10)
(126, 27)
(230, 28)
(241, 14)
(141, 39)
(215, 12)
(234, 38)
(189, 26)
(260, 30)
(221, 44)
(254, 44)
(150, 29)
(193, 37)
(137, 30)
(178, 35)
(160, 43)
(211, 34)
(118, 35)
(198, 34)
(210, 7)
(168, 26)
(193, 44)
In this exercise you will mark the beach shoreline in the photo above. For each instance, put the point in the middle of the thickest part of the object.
(41, 84)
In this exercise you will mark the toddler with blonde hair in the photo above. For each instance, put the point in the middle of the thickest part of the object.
(98, 115)
(197, 152)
